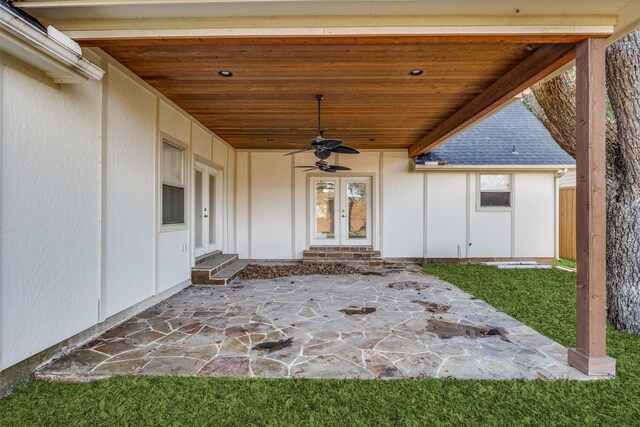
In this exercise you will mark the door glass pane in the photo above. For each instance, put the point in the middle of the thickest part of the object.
(198, 210)
(325, 213)
(357, 209)
(212, 209)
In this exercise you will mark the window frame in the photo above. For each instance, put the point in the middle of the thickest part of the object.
(161, 183)
(480, 208)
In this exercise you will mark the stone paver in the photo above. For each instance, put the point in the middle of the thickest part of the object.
(401, 325)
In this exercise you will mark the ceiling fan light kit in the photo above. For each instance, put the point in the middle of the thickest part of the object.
(324, 147)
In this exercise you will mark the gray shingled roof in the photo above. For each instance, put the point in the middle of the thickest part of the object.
(495, 140)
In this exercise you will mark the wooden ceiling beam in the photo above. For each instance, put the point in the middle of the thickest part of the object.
(536, 66)
(335, 40)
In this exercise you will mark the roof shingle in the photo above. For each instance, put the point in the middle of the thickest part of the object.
(513, 136)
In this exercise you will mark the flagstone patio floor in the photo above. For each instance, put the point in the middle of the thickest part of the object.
(402, 325)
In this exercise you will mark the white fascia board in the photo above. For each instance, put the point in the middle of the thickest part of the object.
(20, 39)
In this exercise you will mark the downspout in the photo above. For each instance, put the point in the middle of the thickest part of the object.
(556, 222)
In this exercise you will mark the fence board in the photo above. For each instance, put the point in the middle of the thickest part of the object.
(568, 223)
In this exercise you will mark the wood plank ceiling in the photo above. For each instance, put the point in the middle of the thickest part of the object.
(371, 100)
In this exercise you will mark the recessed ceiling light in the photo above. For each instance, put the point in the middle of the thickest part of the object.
(416, 72)
(372, 139)
(225, 73)
(270, 139)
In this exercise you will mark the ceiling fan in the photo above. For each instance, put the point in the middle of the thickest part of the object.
(324, 167)
(324, 147)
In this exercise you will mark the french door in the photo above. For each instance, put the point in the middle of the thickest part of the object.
(208, 209)
(341, 211)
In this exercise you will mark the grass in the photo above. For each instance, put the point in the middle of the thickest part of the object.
(543, 299)
(566, 262)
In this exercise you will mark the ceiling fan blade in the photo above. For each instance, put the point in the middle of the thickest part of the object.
(309, 170)
(298, 151)
(306, 166)
(326, 143)
(343, 149)
(339, 168)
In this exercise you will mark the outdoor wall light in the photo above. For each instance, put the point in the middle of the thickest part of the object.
(225, 73)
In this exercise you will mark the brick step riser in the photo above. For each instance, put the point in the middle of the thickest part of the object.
(369, 263)
(215, 280)
(205, 276)
(224, 281)
(343, 255)
(217, 268)
(340, 248)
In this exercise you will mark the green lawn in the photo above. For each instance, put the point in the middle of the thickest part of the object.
(566, 262)
(543, 299)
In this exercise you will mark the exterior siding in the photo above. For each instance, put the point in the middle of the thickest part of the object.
(80, 204)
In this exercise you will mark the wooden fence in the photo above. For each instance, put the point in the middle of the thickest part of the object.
(568, 222)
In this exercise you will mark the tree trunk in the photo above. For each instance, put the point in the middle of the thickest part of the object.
(623, 190)
(554, 103)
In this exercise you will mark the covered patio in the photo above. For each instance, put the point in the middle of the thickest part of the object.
(200, 105)
(403, 324)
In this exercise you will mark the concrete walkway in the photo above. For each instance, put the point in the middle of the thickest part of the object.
(402, 325)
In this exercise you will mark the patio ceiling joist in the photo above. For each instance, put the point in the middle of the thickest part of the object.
(542, 62)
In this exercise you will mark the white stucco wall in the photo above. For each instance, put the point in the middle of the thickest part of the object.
(130, 185)
(453, 217)
(446, 215)
(534, 215)
(273, 202)
(80, 199)
(402, 208)
(50, 212)
(243, 222)
(271, 219)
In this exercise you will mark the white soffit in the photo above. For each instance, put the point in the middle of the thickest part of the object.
(128, 18)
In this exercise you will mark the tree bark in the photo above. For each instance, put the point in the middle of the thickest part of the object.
(554, 103)
(623, 189)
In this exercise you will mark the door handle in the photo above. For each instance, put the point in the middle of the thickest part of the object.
(206, 216)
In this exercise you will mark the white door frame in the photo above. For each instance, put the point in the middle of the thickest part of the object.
(340, 208)
(210, 211)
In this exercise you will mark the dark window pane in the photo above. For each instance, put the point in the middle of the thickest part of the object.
(500, 199)
(172, 205)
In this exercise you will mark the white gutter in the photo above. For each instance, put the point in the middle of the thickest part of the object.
(20, 39)
(457, 168)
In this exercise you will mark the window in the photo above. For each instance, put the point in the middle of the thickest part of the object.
(172, 184)
(495, 191)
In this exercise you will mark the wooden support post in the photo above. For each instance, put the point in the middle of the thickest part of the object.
(589, 356)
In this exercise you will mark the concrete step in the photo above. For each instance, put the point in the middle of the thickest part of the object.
(227, 274)
(203, 273)
(206, 257)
